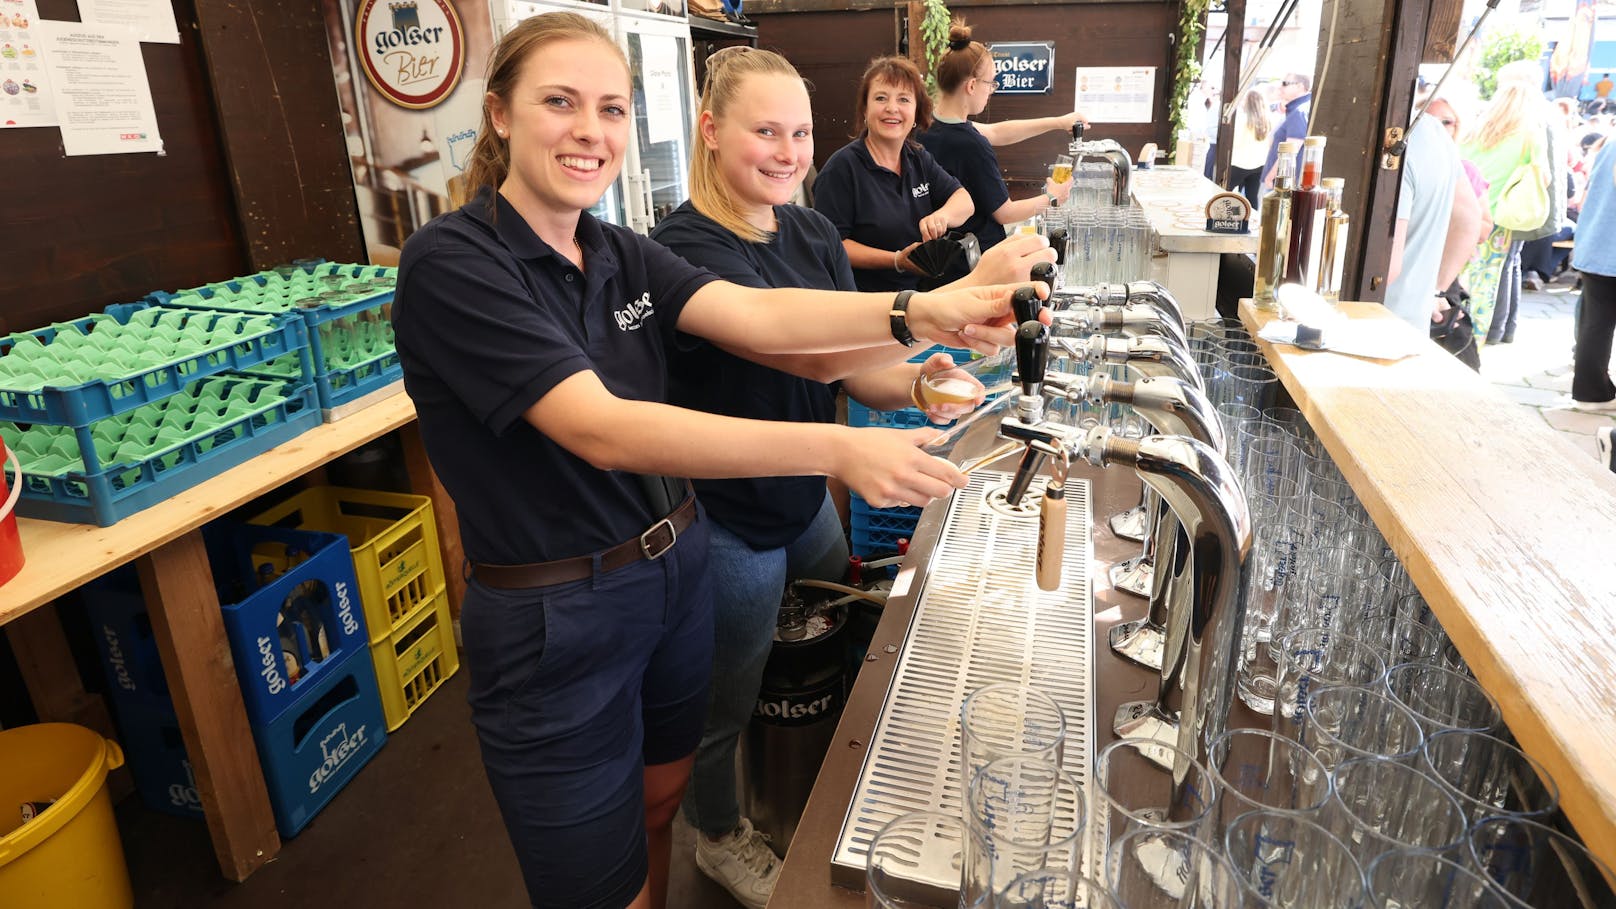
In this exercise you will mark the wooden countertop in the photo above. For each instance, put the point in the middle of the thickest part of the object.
(60, 557)
(1174, 199)
(1509, 531)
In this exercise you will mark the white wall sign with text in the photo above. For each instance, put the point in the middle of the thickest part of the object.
(1117, 94)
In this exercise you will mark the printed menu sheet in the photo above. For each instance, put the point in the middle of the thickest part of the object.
(103, 100)
(25, 95)
(1117, 94)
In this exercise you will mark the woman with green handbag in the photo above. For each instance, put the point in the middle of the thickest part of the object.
(1509, 147)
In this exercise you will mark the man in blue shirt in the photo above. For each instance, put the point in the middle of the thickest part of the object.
(1295, 89)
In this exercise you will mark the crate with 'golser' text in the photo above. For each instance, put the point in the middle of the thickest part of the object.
(291, 609)
(394, 541)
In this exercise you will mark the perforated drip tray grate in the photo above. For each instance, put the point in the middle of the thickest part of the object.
(980, 619)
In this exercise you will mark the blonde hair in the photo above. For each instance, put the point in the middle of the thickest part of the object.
(1512, 111)
(710, 194)
(490, 161)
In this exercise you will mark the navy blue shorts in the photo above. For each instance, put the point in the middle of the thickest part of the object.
(575, 688)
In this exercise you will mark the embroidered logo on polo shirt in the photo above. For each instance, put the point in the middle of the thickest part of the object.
(632, 316)
(923, 189)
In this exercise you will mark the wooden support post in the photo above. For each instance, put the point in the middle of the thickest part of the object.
(1364, 88)
(189, 628)
(424, 482)
(1234, 44)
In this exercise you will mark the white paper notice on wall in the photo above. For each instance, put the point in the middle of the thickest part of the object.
(660, 73)
(103, 101)
(25, 95)
(1117, 94)
(152, 20)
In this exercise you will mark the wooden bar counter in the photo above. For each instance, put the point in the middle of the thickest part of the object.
(1508, 530)
(165, 542)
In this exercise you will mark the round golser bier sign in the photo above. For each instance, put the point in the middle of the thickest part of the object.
(413, 51)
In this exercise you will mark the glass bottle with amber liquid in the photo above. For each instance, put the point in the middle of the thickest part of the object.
(1334, 252)
(1274, 229)
(1303, 251)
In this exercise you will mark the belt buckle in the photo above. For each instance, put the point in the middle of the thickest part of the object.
(646, 547)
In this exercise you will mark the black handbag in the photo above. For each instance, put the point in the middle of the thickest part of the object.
(1456, 333)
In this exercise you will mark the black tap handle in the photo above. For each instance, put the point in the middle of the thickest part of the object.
(1057, 242)
(1045, 272)
(1025, 303)
(1077, 131)
(1032, 355)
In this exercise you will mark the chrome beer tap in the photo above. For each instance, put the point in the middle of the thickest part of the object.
(1205, 565)
(1131, 320)
(1134, 292)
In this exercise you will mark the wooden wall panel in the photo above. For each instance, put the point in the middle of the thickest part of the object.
(831, 49)
(83, 232)
(283, 138)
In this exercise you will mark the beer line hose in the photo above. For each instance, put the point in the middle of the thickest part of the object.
(842, 588)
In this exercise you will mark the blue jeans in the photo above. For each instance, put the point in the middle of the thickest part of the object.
(747, 587)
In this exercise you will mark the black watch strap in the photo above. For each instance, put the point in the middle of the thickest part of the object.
(899, 319)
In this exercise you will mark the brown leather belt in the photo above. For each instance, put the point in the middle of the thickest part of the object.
(652, 544)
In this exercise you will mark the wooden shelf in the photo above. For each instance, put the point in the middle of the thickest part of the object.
(1506, 528)
(60, 557)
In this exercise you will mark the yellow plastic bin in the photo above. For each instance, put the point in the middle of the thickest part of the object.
(69, 855)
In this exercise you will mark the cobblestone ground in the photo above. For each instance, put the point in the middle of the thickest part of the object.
(1535, 371)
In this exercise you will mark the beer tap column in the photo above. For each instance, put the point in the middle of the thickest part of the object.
(1202, 492)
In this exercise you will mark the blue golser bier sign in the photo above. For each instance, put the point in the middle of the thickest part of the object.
(1024, 67)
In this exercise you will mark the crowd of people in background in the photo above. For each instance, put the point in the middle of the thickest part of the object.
(1495, 200)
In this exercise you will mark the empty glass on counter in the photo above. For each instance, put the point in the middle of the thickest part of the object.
(1311, 658)
(1021, 815)
(1130, 792)
(1489, 776)
(1256, 770)
(1379, 805)
(1008, 720)
(911, 847)
(1344, 722)
(1539, 867)
(1166, 869)
(1412, 879)
(1443, 699)
(1289, 861)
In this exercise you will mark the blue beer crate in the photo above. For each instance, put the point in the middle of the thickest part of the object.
(879, 529)
(85, 475)
(291, 610)
(907, 418)
(125, 640)
(347, 309)
(74, 373)
(152, 746)
(321, 742)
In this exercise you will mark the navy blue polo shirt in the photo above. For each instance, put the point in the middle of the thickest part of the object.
(874, 206)
(488, 318)
(766, 512)
(967, 154)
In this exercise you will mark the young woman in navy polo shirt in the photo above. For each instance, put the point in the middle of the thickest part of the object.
(883, 191)
(965, 81)
(755, 144)
(534, 341)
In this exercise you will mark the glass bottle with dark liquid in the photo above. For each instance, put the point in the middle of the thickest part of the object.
(1274, 228)
(1307, 216)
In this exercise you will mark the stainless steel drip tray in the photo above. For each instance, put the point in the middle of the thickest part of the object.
(980, 619)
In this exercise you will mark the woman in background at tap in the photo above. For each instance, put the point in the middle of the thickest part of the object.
(966, 79)
(885, 193)
(533, 339)
(753, 145)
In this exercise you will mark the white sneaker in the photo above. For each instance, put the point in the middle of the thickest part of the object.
(741, 862)
(1605, 438)
(1595, 406)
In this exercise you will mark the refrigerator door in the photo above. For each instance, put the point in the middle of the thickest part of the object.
(658, 169)
(613, 206)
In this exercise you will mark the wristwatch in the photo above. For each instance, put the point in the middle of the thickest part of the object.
(898, 318)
